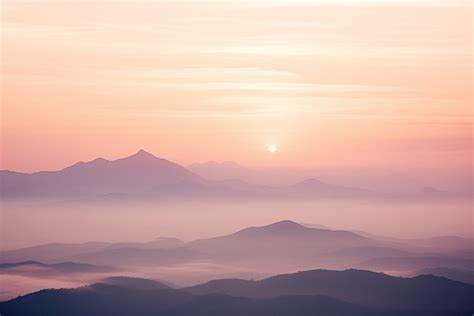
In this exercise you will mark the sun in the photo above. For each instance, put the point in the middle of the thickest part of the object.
(272, 148)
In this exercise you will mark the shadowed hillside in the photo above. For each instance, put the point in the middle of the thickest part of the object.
(301, 294)
(355, 286)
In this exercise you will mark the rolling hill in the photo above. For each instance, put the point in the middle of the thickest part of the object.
(327, 293)
(365, 288)
(284, 243)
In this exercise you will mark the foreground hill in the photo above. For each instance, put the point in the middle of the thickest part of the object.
(105, 300)
(300, 294)
(466, 276)
(365, 288)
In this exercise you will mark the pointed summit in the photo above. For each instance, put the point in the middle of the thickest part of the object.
(139, 174)
(143, 153)
(141, 156)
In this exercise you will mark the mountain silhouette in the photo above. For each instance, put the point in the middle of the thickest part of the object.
(62, 267)
(160, 242)
(51, 253)
(145, 176)
(355, 286)
(134, 283)
(105, 300)
(287, 227)
(140, 256)
(139, 173)
(283, 246)
(284, 295)
(466, 276)
(284, 243)
(287, 241)
(54, 252)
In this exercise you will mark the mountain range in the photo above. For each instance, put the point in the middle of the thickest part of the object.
(140, 173)
(283, 246)
(354, 286)
(350, 292)
(283, 243)
(36, 268)
(300, 244)
(144, 175)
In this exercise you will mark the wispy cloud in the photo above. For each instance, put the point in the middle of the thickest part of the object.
(295, 70)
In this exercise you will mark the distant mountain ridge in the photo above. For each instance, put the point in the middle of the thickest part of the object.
(286, 245)
(263, 243)
(139, 173)
(288, 228)
(54, 252)
(145, 176)
(283, 244)
(69, 267)
(405, 185)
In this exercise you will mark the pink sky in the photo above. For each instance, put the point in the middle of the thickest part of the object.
(332, 84)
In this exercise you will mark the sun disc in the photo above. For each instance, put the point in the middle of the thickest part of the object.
(272, 148)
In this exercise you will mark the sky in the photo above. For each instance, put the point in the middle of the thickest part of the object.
(333, 84)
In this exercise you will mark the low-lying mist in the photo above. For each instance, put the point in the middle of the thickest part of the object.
(125, 235)
(29, 223)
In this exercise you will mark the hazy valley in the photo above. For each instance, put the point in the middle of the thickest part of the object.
(94, 217)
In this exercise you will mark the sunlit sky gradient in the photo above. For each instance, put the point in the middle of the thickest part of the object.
(348, 83)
